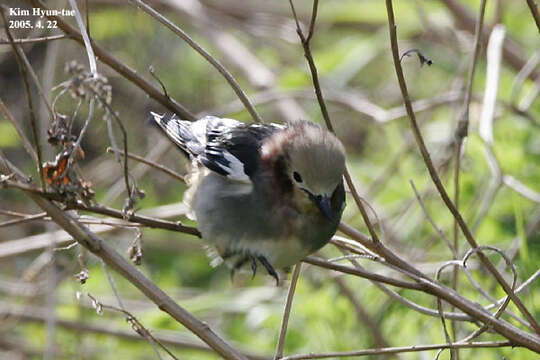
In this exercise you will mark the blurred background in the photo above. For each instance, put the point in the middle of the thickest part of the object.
(45, 311)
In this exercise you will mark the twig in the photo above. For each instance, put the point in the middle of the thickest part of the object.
(153, 73)
(26, 143)
(39, 88)
(25, 219)
(34, 40)
(103, 250)
(136, 325)
(421, 57)
(362, 273)
(521, 188)
(86, 38)
(74, 152)
(363, 315)
(404, 349)
(213, 61)
(37, 314)
(492, 83)
(129, 188)
(287, 311)
(33, 121)
(512, 52)
(461, 133)
(155, 165)
(119, 67)
(324, 110)
(430, 219)
(435, 177)
(104, 210)
(534, 12)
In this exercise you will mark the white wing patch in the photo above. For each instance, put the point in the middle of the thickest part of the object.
(207, 140)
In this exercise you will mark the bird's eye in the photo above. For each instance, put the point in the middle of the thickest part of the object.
(297, 177)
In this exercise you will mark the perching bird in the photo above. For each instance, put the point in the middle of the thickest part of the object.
(264, 193)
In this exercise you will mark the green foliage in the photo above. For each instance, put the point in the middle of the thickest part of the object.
(351, 51)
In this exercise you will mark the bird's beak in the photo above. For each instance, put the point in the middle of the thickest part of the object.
(324, 205)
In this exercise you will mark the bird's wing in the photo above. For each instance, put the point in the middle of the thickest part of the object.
(225, 146)
(234, 151)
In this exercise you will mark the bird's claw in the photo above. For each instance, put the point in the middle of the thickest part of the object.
(253, 261)
(271, 271)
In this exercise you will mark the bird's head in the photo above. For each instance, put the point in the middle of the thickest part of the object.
(316, 163)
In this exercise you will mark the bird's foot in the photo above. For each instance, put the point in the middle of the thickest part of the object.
(269, 268)
(237, 265)
(253, 261)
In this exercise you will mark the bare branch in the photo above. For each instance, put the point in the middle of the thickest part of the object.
(404, 349)
(435, 177)
(119, 67)
(213, 61)
(103, 250)
(287, 311)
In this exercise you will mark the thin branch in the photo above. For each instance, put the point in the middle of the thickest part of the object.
(34, 40)
(86, 38)
(362, 273)
(155, 165)
(404, 349)
(461, 133)
(435, 177)
(108, 211)
(287, 311)
(136, 325)
(430, 219)
(119, 67)
(103, 250)
(23, 220)
(213, 61)
(39, 88)
(37, 314)
(26, 143)
(33, 121)
(533, 6)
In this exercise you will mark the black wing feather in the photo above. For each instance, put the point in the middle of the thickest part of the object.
(225, 146)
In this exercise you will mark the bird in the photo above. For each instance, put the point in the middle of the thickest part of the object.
(261, 193)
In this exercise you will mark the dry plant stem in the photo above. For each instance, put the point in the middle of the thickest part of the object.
(120, 67)
(516, 335)
(435, 177)
(533, 6)
(404, 349)
(512, 52)
(129, 189)
(430, 219)
(363, 273)
(23, 220)
(104, 210)
(287, 311)
(460, 134)
(103, 250)
(39, 88)
(130, 319)
(421, 309)
(318, 91)
(165, 169)
(86, 38)
(33, 40)
(27, 145)
(213, 61)
(33, 121)
(363, 315)
(38, 314)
